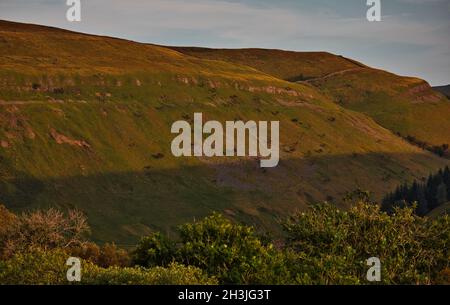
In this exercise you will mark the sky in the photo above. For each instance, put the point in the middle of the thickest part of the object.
(412, 39)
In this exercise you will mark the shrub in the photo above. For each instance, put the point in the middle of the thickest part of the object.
(233, 253)
(34, 268)
(44, 230)
(49, 268)
(174, 274)
(105, 256)
(153, 250)
(333, 245)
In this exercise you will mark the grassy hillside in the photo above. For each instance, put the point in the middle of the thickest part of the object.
(405, 105)
(287, 65)
(85, 122)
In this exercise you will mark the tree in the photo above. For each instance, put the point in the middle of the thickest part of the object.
(44, 230)
(446, 178)
(422, 204)
(233, 253)
(428, 196)
(441, 194)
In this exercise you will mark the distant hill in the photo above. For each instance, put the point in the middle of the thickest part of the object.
(85, 123)
(445, 90)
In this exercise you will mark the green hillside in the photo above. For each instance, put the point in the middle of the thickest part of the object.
(85, 122)
(405, 105)
(287, 65)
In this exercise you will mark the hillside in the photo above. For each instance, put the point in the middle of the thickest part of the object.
(287, 65)
(405, 105)
(445, 90)
(85, 122)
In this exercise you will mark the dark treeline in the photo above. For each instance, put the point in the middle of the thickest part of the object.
(428, 196)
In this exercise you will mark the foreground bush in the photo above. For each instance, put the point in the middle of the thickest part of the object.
(53, 229)
(233, 253)
(174, 274)
(324, 245)
(107, 255)
(333, 245)
(45, 230)
(49, 268)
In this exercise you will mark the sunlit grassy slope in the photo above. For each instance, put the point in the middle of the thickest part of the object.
(287, 65)
(405, 105)
(85, 123)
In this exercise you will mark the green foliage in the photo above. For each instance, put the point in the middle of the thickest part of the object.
(214, 244)
(174, 274)
(333, 245)
(34, 268)
(153, 250)
(49, 268)
(324, 245)
(233, 253)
